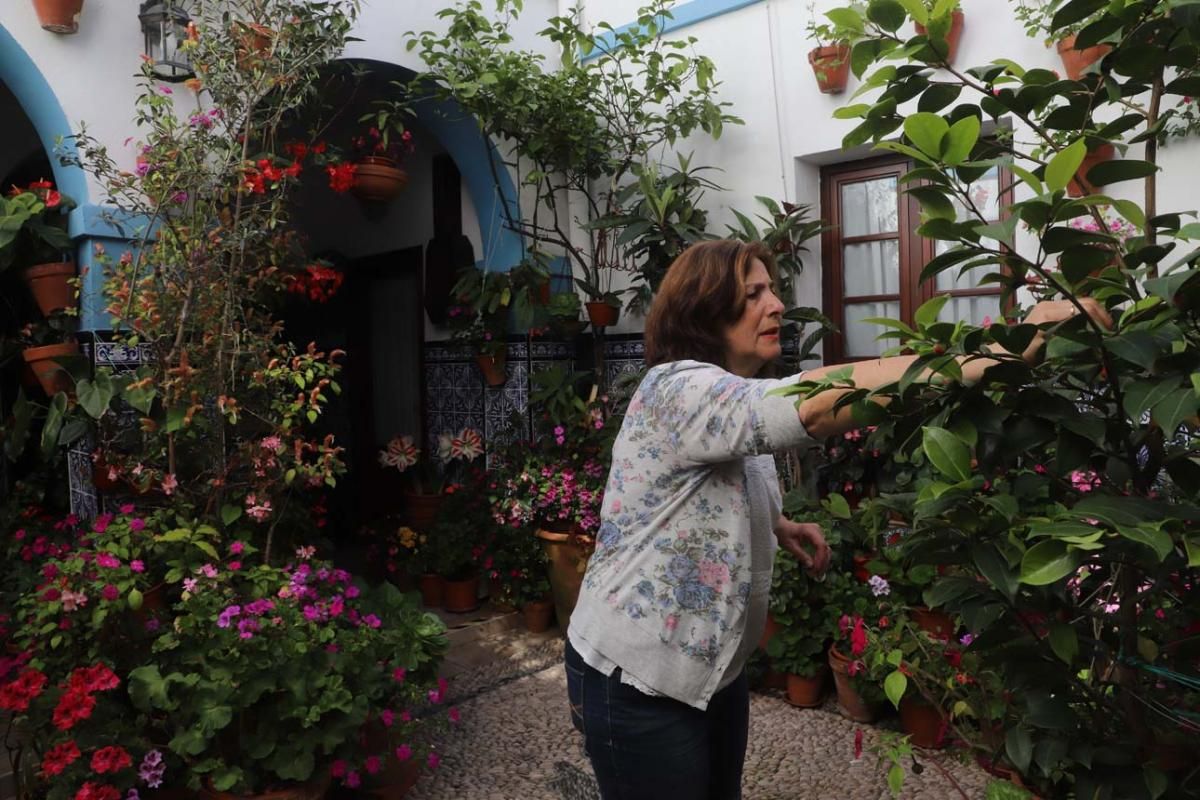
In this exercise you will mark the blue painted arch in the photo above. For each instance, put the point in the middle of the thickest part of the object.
(41, 105)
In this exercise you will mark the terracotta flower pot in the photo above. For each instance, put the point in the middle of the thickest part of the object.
(51, 286)
(568, 555)
(493, 370)
(461, 595)
(538, 614)
(420, 510)
(433, 590)
(831, 65)
(395, 780)
(1079, 185)
(378, 179)
(952, 36)
(602, 314)
(1076, 61)
(58, 16)
(46, 362)
(312, 789)
(807, 692)
(922, 721)
(938, 623)
(850, 703)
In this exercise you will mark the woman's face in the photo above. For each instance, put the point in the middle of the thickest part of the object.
(753, 341)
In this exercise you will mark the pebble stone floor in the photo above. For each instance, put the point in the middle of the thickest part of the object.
(516, 742)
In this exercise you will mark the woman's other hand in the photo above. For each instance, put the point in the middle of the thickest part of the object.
(794, 536)
(1049, 312)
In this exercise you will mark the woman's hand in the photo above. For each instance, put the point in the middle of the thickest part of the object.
(1048, 312)
(793, 536)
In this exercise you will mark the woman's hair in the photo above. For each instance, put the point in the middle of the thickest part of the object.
(702, 295)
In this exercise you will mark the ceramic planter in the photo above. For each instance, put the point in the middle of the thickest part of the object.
(47, 364)
(568, 555)
(922, 721)
(58, 16)
(378, 179)
(850, 703)
(602, 314)
(492, 368)
(538, 614)
(1075, 62)
(952, 37)
(1079, 185)
(433, 590)
(51, 285)
(807, 692)
(831, 65)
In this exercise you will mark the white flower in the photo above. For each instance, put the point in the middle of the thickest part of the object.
(400, 453)
(879, 586)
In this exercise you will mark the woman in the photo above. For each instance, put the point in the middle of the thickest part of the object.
(675, 595)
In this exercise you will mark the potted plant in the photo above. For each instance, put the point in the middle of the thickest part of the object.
(942, 25)
(257, 651)
(830, 59)
(1037, 17)
(58, 16)
(380, 152)
(537, 607)
(563, 312)
(850, 604)
(785, 229)
(33, 234)
(460, 533)
(50, 350)
(425, 480)
(480, 318)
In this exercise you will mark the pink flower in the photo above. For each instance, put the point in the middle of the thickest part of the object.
(110, 593)
(434, 759)
(372, 764)
(236, 548)
(387, 717)
(338, 768)
(353, 780)
(455, 716)
(127, 508)
(398, 674)
(235, 565)
(137, 524)
(137, 566)
(169, 483)
(858, 744)
(403, 753)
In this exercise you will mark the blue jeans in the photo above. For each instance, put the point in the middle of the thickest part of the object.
(656, 748)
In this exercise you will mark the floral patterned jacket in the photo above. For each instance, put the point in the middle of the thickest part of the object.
(666, 591)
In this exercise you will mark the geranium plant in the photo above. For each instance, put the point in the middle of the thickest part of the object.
(33, 225)
(270, 674)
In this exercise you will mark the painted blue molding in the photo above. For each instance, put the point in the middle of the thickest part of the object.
(116, 231)
(683, 15)
(40, 104)
(473, 153)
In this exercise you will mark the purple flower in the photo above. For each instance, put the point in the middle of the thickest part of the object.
(152, 769)
(312, 613)
(226, 617)
(351, 592)
(879, 586)
(372, 621)
(137, 524)
(966, 639)
(189, 584)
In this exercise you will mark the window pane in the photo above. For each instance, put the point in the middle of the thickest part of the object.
(860, 336)
(971, 310)
(950, 279)
(871, 268)
(869, 207)
(985, 196)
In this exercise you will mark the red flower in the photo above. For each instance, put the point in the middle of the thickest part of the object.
(92, 791)
(60, 757)
(858, 638)
(953, 657)
(858, 743)
(17, 695)
(96, 678)
(110, 759)
(73, 707)
(341, 176)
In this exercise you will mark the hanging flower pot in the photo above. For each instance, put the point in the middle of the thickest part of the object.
(1075, 62)
(51, 285)
(952, 36)
(47, 363)
(602, 314)
(377, 179)
(1079, 185)
(58, 16)
(831, 65)
(492, 368)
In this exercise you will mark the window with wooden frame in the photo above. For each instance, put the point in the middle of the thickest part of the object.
(872, 256)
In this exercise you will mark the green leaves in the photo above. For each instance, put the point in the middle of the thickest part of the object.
(1119, 170)
(1063, 166)
(894, 686)
(926, 130)
(1047, 562)
(948, 454)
